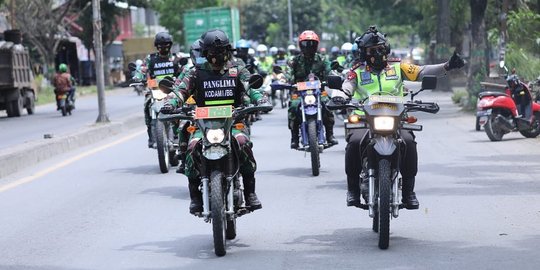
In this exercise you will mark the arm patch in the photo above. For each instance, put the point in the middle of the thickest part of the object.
(351, 75)
(411, 71)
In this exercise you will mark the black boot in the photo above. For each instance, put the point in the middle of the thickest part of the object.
(364, 186)
(295, 137)
(252, 202)
(196, 199)
(151, 141)
(353, 191)
(409, 199)
(330, 139)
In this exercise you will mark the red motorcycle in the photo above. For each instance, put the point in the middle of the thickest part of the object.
(498, 114)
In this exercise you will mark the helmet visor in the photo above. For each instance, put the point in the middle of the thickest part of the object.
(309, 46)
(376, 50)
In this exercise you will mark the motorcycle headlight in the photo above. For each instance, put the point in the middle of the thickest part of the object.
(310, 100)
(215, 135)
(383, 123)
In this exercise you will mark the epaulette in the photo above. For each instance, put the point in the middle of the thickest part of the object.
(357, 65)
(394, 59)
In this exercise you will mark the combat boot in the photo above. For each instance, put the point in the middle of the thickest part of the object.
(353, 192)
(295, 138)
(330, 139)
(409, 199)
(195, 206)
(252, 202)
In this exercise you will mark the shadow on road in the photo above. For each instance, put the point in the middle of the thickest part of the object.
(144, 170)
(175, 192)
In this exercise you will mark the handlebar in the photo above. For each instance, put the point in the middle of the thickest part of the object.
(416, 106)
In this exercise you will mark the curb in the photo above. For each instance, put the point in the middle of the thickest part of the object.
(27, 154)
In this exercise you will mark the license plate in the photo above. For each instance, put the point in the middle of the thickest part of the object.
(309, 85)
(483, 113)
(213, 112)
(385, 99)
(482, 120)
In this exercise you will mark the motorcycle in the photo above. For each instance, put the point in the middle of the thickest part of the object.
(498, 114)
(162, 131)
(385, 116)
(279, 88)
(139, 89)
(65, 102)
(312, 133)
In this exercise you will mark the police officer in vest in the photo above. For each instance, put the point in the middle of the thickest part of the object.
(219, 81)
(380, 72)
(157, 66)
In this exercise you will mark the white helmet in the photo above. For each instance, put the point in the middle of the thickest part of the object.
(138, 62)
(251, 51)
(346, 47)
(262, 48)
(273, 50)
(291, 47)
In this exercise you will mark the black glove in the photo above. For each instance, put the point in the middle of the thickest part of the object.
(455, 62)
(167, 109)
(339, 100)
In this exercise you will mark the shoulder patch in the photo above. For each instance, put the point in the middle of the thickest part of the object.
(233, 72)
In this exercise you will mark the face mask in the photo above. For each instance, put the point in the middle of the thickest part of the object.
(164, 50)
(377, 62)
(217, 60)
(200, 60)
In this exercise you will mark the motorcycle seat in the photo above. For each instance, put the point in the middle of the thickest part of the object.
(491, 93)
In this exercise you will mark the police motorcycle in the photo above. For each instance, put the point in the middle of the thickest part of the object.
(221, 183)
(162, 131)
(312, 132)
(384, 116)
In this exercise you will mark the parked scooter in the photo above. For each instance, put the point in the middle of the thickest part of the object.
(498, 114)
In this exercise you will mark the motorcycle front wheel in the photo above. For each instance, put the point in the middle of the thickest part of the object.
(217, 209)
(162, 146)
(314, 146)
(385, 193)
(534, 131)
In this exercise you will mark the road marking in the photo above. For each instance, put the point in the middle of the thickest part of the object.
(62, 164)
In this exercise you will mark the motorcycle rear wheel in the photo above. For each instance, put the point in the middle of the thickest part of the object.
(314, 146)
(162, 146)
(493, 133)
(217, 209)
(385, 193)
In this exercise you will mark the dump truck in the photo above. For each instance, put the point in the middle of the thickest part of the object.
(16, 76)
(136, 48)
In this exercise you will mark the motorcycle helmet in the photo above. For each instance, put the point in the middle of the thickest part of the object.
(512, 81)
(251, 51)
(242, 48)
(273, 51)
(262, 50)
(290, 48)
(138, 62)
(163, 43)
(322, 50)
(334, 50)
(215, 47)
(195, 53)
(308, 41)
(62, 68)
(373, 48)
(346, 48)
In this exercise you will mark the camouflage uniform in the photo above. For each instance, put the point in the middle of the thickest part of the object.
(299, 69)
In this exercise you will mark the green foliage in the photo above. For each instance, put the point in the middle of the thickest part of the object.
(526, 64)
(139, 30)
(460, 96)
(171, 11)
(524, 29)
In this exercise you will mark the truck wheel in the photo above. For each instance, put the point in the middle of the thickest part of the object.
(15, 107)
(31, 105)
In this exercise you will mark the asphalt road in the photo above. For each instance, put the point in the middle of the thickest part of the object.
(120, 103)
(108, 207)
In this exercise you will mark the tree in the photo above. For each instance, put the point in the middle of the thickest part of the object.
(477, 61)
(43, 26)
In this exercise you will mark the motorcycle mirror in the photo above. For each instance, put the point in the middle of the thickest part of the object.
(255, 81)
(429, 82)
(132, 66)
(183, 61)
(501, 64)
(335, 65)
(166, 84)
(334, 82)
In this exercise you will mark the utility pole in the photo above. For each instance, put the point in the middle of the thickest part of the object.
(98, 45)
(290, 22)
(12, 13)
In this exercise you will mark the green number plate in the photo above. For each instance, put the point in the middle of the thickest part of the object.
(213, 112)
(385, 99)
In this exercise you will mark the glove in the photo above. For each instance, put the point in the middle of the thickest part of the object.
(339, 100)
(167, 109)
(455, 62)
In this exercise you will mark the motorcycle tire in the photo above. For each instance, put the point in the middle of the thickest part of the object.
(534, 131)
(384, 199)
(314, 146)
(217, 210)
(493, 133)
(162, 146)
(477, 126)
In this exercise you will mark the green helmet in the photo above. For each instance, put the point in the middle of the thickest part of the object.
(62, 68)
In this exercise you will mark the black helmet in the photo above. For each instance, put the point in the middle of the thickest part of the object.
(214, 40)
(195, 52)
(162, 38)
(512, 81)
(370, 38)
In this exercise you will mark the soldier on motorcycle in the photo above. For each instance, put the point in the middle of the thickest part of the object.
(242, 49)
(216, 49)
(157, 65)
(382, 73)
(309, 61)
